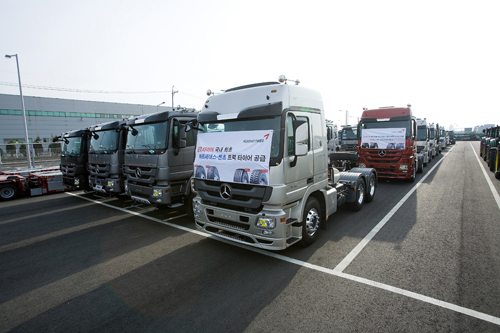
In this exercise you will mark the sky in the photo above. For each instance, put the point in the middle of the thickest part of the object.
(440, 56)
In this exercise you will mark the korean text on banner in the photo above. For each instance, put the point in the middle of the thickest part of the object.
(239, 157)
(383, 138)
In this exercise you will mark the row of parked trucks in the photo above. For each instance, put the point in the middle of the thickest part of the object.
(489, 149)
(256, 165)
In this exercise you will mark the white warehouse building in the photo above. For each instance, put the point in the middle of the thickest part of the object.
(50, 117)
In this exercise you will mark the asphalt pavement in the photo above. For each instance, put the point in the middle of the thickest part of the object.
(422, 257)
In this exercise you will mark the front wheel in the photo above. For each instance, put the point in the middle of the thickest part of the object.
(311, 220)
(414, 174)
(491, 161)
(8, 192)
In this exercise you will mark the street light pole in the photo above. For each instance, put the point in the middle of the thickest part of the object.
(28, 150)
(173, 92)
(159, 105)
(346, 116)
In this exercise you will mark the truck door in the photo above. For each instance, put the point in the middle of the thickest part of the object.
(180, 159)
(299, 176)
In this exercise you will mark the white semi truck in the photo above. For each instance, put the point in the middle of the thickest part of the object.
(261, 167)
(423, 143)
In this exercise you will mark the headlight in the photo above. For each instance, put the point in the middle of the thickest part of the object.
(157, 193)
(362, 165)
(403, 167)
(126, 187)
(266, 222)
(111, 183)
(77, 181)
(197, 209)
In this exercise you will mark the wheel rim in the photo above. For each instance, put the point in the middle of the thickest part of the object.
(372, 186)
(7, 192)
(361, 190)
(312, 222)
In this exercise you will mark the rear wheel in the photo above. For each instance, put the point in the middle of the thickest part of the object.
(8, 192)
(311, 220)
(371, 187)
(360, 196)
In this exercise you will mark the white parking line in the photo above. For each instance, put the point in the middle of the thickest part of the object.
(350, 257)
(488, 180)
(336, 271)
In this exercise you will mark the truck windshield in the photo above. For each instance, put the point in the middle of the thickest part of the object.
(149, 138)
(72, 145)
(422, 133)
(106, 143)
(250, 125)
(349, 134)
(389, 124)
(431, 133)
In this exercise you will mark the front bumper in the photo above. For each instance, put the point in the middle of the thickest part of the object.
(150, 195)
(106, 185)
(241, 227)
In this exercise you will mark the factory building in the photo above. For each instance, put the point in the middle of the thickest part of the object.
(50, 117)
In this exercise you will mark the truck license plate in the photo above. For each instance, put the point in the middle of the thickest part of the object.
(98, 187)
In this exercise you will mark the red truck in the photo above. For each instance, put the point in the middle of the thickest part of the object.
(31, 182)
(387, 142)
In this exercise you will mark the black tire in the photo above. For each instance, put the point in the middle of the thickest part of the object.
(258, 177)
(371, 187)
(420, 168)
(8, 192)
(371, 182)
(188, 204)
(311, 221)
(360, 196)
(241, 176)
(491, 161)
(213, 173)
(200, 172)
(497, 175)
(414, 174)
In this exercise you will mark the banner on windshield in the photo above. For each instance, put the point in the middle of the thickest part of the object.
(383, 138)
(237, 157)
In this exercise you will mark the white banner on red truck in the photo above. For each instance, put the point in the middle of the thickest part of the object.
(383, 138)
(237, 157)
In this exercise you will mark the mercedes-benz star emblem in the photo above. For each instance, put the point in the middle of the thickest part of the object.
(138, 173)
(381, 152)
(225, 191)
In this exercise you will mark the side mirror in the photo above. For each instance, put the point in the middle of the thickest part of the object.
(192, 125)
(95, 136)
(180, 139)
(301, 134)
(134, 132)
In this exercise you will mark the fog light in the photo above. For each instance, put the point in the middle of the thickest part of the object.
(362, 165)
(403, 167)
(267, 232)
(126, 187)
(266, 222)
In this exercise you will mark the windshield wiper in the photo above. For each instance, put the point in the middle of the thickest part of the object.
(131, 148)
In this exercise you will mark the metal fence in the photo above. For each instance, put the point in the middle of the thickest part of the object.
(13, 156)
